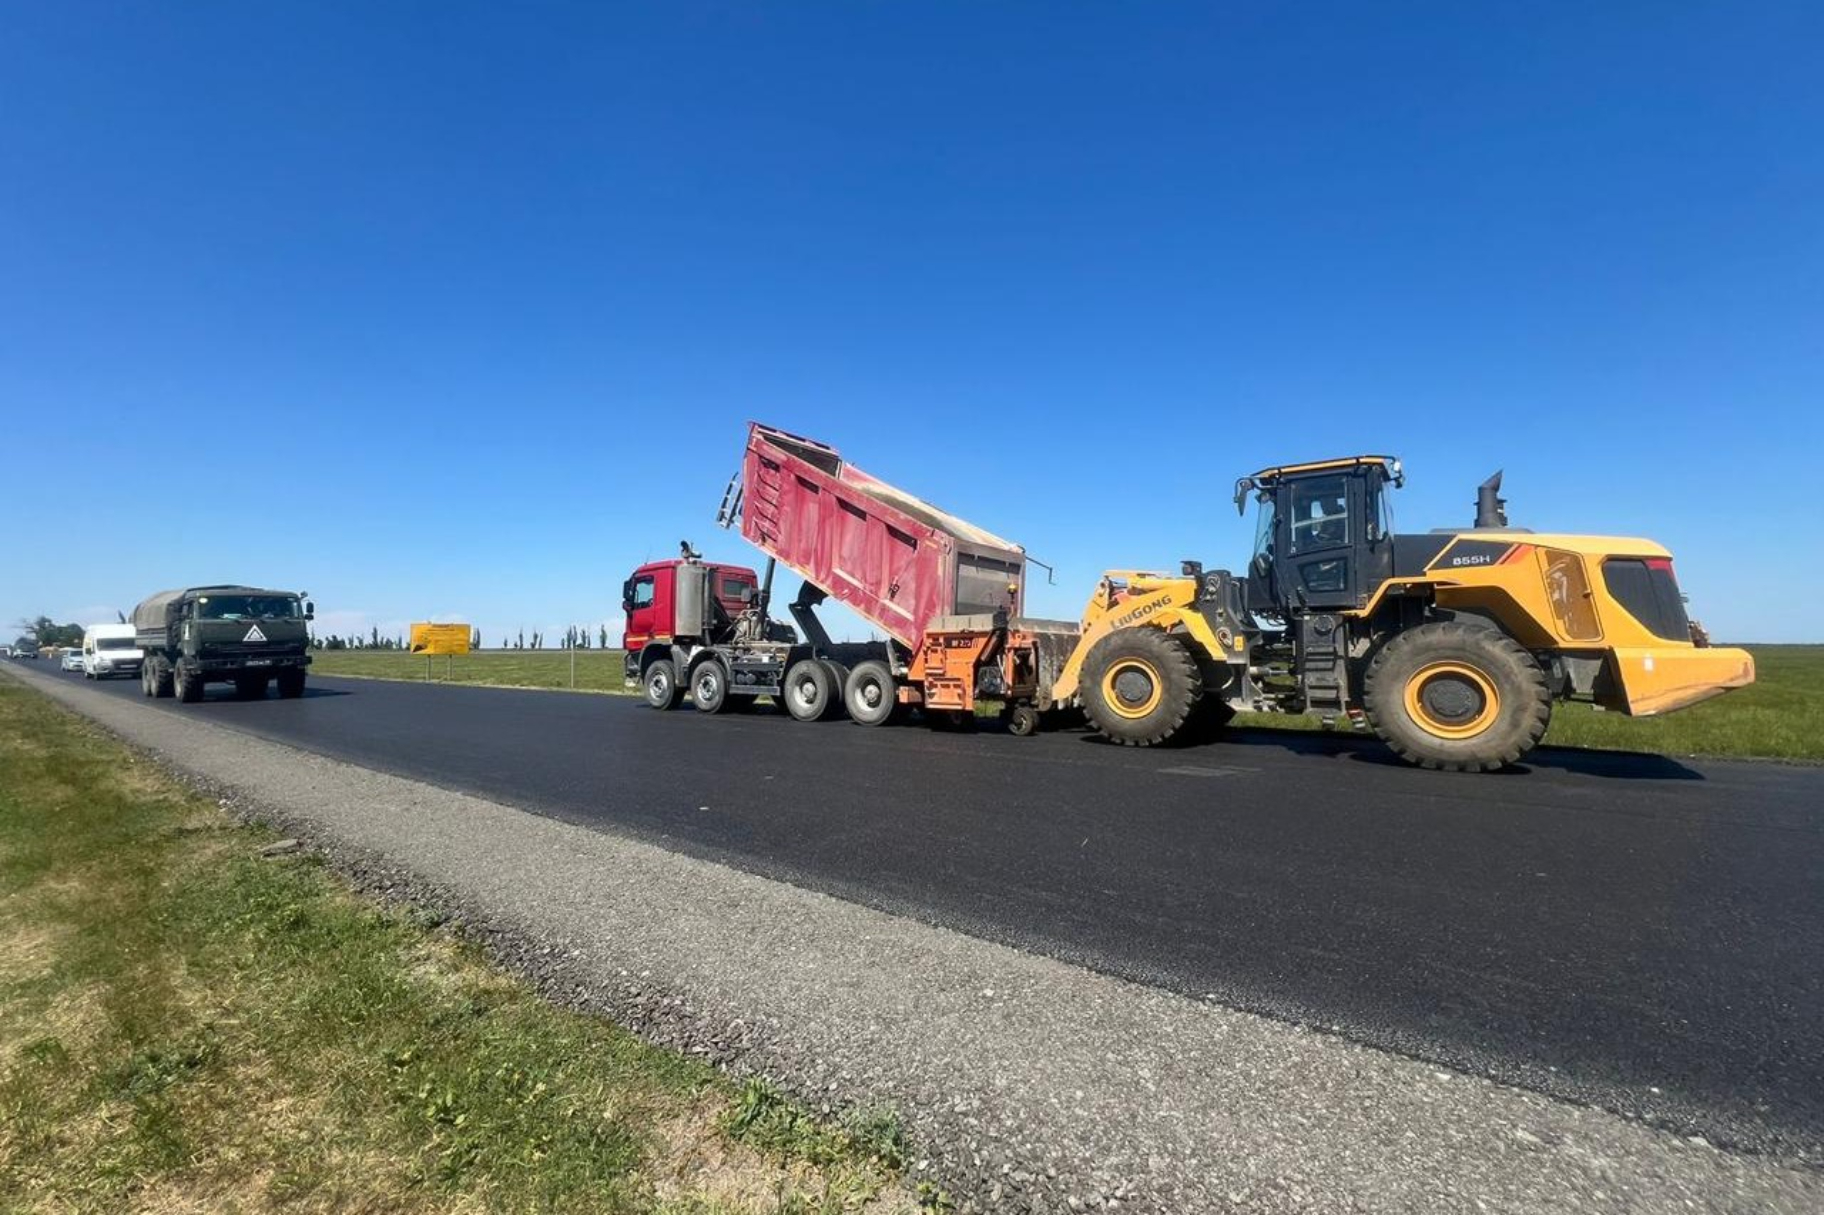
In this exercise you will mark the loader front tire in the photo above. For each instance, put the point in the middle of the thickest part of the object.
(1457, 697)
(1139, 686)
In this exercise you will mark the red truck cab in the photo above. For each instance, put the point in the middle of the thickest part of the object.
(648, 599)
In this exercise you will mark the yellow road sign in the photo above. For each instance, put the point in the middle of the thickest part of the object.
(440, 638)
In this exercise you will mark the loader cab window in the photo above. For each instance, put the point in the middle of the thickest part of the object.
(1265, 520)
(1323, 521)
(1320, 514)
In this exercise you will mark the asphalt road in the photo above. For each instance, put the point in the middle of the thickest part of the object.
(1638, 933)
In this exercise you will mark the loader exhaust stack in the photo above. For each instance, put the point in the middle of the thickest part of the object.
(1491, 507)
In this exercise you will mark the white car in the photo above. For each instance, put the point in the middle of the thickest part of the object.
(71, 661)
(109, 650)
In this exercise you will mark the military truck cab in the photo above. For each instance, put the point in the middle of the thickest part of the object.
(223, 634)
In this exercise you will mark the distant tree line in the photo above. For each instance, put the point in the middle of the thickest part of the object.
(373, 641)
(576, 637)
(41, 631)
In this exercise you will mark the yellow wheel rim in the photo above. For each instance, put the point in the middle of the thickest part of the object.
(1131, 688)
(1452, 700)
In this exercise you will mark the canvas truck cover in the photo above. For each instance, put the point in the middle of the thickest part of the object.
(153, 615)
(897, 561)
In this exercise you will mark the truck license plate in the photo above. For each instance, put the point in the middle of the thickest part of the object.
(259, 662)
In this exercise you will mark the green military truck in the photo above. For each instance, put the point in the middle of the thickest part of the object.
(223, 634)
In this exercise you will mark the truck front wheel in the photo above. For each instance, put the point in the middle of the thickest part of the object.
(660, 684)
(709, 687)
(189, 686)
(291, 685)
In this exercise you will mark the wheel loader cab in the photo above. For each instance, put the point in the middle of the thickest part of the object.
(1323, 538)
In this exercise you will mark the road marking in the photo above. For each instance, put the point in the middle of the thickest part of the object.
(1190, 771)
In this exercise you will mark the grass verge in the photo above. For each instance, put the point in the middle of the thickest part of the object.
(185, 1024)
(1780, 717)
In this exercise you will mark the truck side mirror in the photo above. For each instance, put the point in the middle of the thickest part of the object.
(627, 595)
(310, 610)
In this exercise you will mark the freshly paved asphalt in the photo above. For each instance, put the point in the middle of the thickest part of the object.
(1638, 933)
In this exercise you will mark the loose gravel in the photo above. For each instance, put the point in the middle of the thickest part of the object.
(1026, 1084)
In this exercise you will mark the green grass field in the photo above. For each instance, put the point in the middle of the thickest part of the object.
(596, 670)
(186, 1025)
(1780, 717)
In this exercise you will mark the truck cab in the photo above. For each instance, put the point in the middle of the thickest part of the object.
(649, 598)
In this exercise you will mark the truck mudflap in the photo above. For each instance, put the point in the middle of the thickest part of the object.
(1658, 679)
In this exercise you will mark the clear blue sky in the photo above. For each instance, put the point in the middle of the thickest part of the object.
(459, 309)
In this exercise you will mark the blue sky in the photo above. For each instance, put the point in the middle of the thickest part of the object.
(460, 309)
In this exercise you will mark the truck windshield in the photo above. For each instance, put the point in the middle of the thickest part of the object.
(114, 643)
(248, 607)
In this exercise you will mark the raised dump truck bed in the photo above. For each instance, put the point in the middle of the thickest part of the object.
(897, 561)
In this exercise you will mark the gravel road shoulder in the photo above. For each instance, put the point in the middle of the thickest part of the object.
(1030, 1085)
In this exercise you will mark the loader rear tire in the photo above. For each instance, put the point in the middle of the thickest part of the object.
(1457, 697)
(871, 694)
(810, 690)
(660, 685)
(1139, 686)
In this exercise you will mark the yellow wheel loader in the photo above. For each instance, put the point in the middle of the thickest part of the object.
(1451, 645)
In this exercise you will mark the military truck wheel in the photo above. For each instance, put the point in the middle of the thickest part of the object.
(709, 687)
(810, 686)
(291, 685)
(1460, 697)
(163, 682)
(1139, 685)
(661, 685)
(189, 687)
(871, 694)
(145, 678)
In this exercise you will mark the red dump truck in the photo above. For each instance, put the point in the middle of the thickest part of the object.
(946, 594)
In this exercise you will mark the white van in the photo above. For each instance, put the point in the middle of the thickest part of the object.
(108, 650)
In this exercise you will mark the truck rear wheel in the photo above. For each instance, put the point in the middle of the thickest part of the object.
(291, 685)
(163, 682)
(1139, 685)
(810, 690)
(145, 679)
(189, 686)
(1463, 698)
(709, 687)
(660, 683)
(871, 694)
